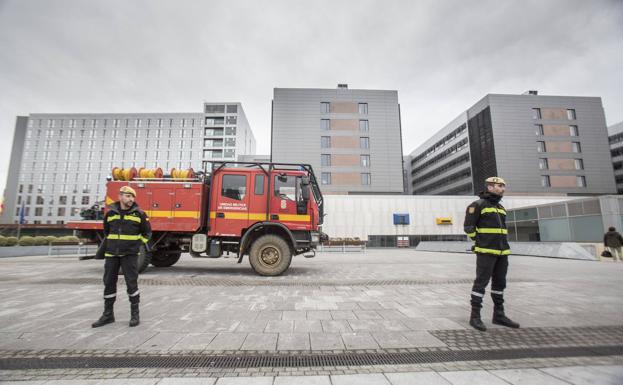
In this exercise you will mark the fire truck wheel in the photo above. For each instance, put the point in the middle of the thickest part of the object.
(270, 255)
(165, 260)
(144, 259)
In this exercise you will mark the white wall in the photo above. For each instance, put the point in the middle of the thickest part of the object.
(363, 215)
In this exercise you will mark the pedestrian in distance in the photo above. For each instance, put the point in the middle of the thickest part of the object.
(614, 244)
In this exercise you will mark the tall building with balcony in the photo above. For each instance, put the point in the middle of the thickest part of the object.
(59, 162)
(615, 133)
(352, 138)
(540, 144)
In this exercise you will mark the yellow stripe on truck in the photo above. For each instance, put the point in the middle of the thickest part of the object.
(172, 214)
(262, 217)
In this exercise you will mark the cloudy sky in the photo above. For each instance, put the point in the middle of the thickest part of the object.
(170, 56)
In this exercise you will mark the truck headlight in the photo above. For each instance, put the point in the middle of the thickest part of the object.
(315, 238)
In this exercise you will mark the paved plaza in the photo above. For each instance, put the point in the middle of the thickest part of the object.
(386, 316)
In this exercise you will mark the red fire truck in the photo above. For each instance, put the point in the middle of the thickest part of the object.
(268, 211)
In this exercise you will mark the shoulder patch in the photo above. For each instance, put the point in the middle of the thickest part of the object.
(471, 209)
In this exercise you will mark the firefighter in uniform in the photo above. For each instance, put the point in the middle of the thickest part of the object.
(126, 228)
(485, 223)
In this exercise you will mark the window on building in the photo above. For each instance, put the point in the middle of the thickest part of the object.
(231, 120)
(573, 131)
(234, 186)
(38, 211)
(538, 128)
(325, 107)
(543, 164)
(85, 200)
(259, 184)
(571, 114)
(325, 160)
(579, 164)
(536, 113)
(229, 153)
(232, 108)
(230, 130)
(545, 181)
(581, 181)
(230, 142)
(365, 161)
(215, 108)
(366, 179)
(325, 142)
(364, 126)
(363, 108)
(325, 178)
(325, 124)
(540, 146)
(364, 142)
(61, 212)
(575, 147)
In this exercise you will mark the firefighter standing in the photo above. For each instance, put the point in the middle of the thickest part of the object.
(485, 223)
(126, 228)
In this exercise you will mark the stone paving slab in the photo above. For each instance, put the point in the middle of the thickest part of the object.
(381, 299)
(574, 375)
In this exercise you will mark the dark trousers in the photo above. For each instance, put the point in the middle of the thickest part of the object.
(129, 263)
(490, 267)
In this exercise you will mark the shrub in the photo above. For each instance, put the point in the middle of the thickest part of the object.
(41, 241)
(66, 239)
(2, 241)
(27, 241)
(49, 239)
(11, 241)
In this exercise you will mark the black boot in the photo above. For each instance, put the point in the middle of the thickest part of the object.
(108, 316)
(499, 318)
(475, 321)
(134, 320)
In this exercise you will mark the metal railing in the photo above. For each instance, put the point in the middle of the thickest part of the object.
(343, 248)
(80, 249)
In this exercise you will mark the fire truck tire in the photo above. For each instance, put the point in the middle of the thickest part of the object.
(144, 259)
(270, 255)
(165, 260)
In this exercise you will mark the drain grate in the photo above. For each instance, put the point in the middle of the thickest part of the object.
(206, 281)
(531, 337)
(305, 360)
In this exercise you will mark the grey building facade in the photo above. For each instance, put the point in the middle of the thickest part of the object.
(352, 138)
(60, 162)
(615, 133)
(539, 144)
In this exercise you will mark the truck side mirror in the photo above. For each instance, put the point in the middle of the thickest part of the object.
(305, 192)
(305, 181)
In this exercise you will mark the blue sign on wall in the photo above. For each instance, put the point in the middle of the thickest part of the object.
(401, 219)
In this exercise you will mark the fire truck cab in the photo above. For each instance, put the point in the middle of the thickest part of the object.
(268, 211)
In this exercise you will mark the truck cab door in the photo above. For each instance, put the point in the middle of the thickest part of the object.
(287, 204)
(229, 209)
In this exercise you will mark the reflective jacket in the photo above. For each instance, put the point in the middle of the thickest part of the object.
(126, 231)
(485, 223)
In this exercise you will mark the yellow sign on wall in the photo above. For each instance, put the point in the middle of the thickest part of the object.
(443, 221)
